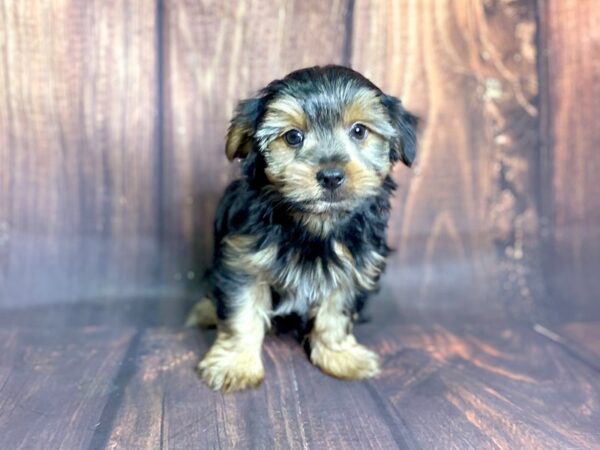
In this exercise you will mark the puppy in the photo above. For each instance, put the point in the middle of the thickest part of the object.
(303, 231)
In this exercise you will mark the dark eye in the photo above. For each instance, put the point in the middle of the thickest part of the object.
(359, 131)
(293, 138)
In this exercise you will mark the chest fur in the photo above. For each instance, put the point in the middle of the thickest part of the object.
(303, 277)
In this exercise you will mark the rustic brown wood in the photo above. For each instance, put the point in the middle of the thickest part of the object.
(112, 124)
(500, 385)
(444, 385)
(583, 338)
(217, 53)
(87, 203)
(468, 211)
(54, 382)
(78, 198)
(570, 157)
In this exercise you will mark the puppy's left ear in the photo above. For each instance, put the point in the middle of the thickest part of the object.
(241, 128)
(403, 145)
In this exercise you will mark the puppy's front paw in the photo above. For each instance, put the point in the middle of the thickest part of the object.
(348, 360)
(231, 370)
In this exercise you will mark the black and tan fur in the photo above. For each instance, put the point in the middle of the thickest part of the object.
(285, 243)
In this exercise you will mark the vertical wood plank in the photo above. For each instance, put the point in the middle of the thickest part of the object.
(570, 68)
(216, 54)
(78, 202)
(464, 220)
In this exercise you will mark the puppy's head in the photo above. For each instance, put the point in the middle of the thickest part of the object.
(327, 137)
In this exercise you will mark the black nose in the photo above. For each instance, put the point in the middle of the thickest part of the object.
(331, 178)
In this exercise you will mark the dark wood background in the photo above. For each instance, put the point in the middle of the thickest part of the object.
(112, 124)
(113, 116)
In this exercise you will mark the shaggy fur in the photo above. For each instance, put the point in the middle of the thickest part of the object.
(290, 237)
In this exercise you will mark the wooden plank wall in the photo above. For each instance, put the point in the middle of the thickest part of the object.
(78, 150)
(570, 160)
(468, 70)
(112, 122)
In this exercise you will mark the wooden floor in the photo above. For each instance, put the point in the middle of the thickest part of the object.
(121, 376)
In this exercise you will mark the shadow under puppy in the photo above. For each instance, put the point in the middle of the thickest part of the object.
(304, 230)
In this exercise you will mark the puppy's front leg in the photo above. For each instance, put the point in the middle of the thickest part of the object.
(333, 347)
(234, 361)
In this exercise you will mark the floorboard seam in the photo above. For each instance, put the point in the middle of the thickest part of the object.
(389, 420)
(566, 345)
(115, 399)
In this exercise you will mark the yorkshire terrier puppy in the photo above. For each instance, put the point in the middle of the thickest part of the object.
(303, 231)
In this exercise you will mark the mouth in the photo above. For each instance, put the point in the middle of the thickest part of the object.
(328, 204)
(336, 202)
(332, 197)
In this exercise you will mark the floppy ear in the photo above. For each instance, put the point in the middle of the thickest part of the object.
(403, 145)
(242, 128)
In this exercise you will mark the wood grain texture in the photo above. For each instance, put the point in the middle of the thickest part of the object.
(120, 384)
(583, 338)
(96, 201)
(464, 220)
(570, 157)
(54, 383)
(217, 53)
(78, 203)
(496, 383)
(112, 125)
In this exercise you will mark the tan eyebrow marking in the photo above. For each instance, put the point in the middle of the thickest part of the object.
(286, 112)
(365, 107)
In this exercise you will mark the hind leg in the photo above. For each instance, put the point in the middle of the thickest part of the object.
(202, 314)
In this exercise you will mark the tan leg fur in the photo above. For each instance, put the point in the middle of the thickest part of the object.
(334, 349)
(234, 361)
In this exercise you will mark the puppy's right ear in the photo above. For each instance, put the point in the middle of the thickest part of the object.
(242, 128)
